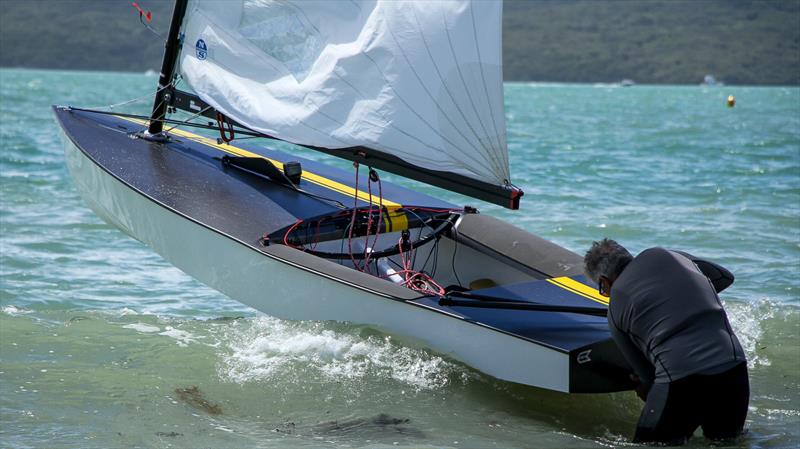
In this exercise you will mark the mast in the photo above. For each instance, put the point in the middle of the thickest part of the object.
(171, 51)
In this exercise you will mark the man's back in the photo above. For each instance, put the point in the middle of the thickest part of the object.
(669, 310)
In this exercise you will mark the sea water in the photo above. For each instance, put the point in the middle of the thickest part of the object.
(104, 344)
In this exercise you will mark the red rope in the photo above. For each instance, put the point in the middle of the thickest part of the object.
(428, 209)
(221, 122)
(316, 233)
(147, 15)
(416, 280)
(289, 231)
(353, 223)
(369, 222)
(368, 255)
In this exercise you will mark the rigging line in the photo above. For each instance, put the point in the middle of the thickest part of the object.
(424, 225)
(489, 160)
(145, 118)
(424, 222)
(198, 125)
(252, 135)
(190, 118)
(369, 222)
(464, 83)
(435, 266)
(259, 136)
(147, 95)
(226, 133)
(414, 259)
(353, 221)
(174, 83)
(380, 214)
(480, 64)
(341, 246)
(435, 258)
(455, 250)
(425, 88)
(158, 106)
(435, 252)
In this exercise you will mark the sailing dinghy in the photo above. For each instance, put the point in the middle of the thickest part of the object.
(410, 88)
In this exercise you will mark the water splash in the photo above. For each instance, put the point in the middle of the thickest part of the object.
(748, 321)
(182, 337)
(142, 327)
(14, 311)
(266, 348)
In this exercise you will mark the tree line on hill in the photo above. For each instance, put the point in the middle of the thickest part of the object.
(648, 41)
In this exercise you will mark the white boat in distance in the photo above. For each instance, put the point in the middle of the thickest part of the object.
(410, 88)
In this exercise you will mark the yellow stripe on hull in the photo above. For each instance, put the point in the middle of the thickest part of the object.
(308, 176)
(579, 289)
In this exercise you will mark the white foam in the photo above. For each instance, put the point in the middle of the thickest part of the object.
(13, 311)
(183, 338)
(266, 348)
(771, 412)
(141, 327)
(746, 320)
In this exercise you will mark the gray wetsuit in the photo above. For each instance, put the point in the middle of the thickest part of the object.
(667, 319)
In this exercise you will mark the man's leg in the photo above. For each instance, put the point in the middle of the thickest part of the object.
(668, 416)
(727, 405)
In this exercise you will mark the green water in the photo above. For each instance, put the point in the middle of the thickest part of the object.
(103, 344)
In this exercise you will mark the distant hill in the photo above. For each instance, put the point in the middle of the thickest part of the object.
(648, 41)
(81, 34)
(675, 41)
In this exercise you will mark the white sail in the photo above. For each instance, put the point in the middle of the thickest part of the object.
(418, 80)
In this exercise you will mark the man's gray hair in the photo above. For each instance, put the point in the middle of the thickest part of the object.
(605, 258)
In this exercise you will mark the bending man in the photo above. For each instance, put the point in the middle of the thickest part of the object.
(668, 322)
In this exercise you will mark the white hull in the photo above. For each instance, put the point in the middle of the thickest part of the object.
(286, 291)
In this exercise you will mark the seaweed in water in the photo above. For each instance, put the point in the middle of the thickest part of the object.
(287, 427)
(194, 397)
(380, 424)
(169, 434)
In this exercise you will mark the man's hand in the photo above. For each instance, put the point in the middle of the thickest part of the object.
(641, 388)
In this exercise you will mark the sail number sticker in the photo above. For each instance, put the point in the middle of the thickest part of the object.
(201, 49)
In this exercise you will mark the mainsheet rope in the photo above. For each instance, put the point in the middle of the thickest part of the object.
(353, 222)
(412, 279)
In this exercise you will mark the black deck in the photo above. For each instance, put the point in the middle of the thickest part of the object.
(186, 174)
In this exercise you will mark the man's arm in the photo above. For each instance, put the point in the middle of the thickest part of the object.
(719, 276)
(643, 369)
(641, 366)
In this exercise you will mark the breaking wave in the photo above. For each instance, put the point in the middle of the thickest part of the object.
(749, 321)
(266, 348)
